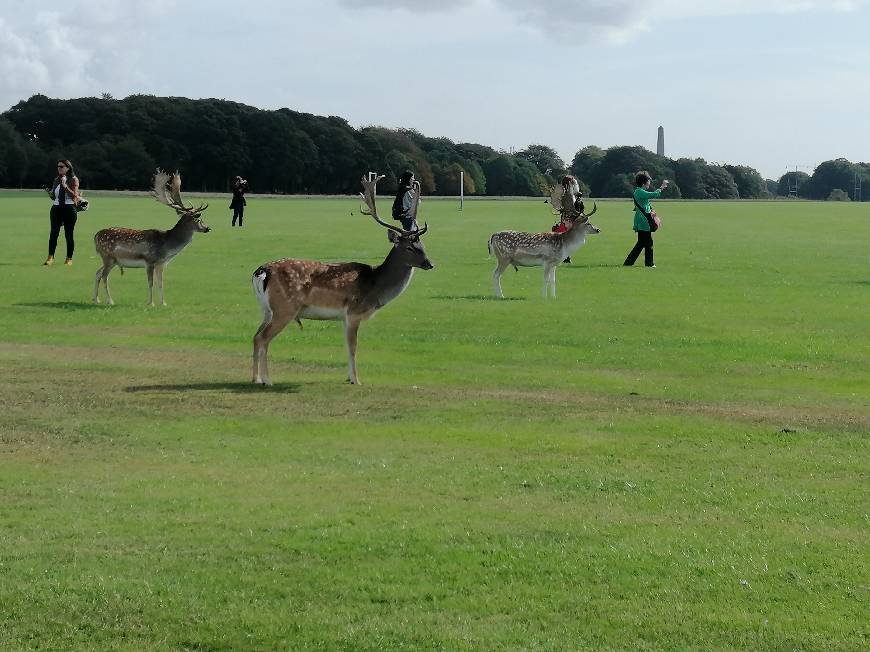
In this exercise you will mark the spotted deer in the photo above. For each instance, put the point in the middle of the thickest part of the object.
(291, 290)
(545, 250)
(152, 249)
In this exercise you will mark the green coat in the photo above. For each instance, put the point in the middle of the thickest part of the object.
(643, 196)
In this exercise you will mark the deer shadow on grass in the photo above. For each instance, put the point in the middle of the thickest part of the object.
(234, 387)
(62, 305)
(475, 297)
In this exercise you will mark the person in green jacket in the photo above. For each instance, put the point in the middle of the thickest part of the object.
(642, 195)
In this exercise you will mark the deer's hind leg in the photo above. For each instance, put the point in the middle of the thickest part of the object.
(274, 322)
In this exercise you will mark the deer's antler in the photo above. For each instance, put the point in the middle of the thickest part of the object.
(369, 183)
(584, 217)
(167, 190)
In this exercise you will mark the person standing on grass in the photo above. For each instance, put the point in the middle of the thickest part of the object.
(642, 195)
(404, 201)
(238, 203)
(64, 192)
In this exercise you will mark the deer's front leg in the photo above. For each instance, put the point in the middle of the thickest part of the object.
(150, 272)
(159, 270)
(351, 328)
(553, 280)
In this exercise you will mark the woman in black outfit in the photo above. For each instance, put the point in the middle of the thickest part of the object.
(64, 193)
(240, 187)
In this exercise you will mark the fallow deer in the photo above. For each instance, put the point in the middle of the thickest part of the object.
(291, 290)
(545, 250)
(152, 249)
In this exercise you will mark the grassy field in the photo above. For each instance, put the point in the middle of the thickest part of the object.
(660, 459)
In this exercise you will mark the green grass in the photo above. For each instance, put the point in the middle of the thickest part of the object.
(658, 459)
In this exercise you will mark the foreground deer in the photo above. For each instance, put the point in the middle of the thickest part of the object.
(539, 249)
(152, 248)
(292, 290)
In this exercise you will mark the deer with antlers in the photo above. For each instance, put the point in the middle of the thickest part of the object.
(152, 249)
(291, 290)
(545, 250)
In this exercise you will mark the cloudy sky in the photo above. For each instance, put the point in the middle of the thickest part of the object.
(769, 83)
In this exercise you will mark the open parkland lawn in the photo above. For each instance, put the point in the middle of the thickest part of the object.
(663, 459)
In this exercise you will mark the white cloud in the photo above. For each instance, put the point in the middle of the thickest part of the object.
(76, 48)
(613, 20)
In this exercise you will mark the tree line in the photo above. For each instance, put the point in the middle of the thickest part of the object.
(117, 144)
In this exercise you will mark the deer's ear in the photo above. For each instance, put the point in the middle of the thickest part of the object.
(393, 236)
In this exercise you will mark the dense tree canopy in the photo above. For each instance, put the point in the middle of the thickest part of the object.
(117, 144)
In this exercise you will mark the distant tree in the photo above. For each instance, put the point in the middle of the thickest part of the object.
(718, 183)
(13, 156)
(789, 180)
(508, 175)
(687, 174)
(618, 185)
(621, 161)
(838, 194)
(546, 160)
(839, 173)
(475, 171)
(447, 180)
(586, 162)
(750, 184)
(772, 187)
(673, 191)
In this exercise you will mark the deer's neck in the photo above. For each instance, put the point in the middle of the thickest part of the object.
(573, 238)
(178, 237)
(390, 279)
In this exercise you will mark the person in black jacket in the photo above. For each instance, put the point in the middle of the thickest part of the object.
(404, 201)
(238, 203)
(64, 192)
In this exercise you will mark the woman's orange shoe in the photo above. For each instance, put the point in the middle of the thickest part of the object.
(49, 261)
(68, 261)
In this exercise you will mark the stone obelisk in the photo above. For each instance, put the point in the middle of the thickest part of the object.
(660, 144)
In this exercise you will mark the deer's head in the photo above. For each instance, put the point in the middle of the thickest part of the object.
(194, 219)
(409, 247)
(582, 224)
(167, 190)
(406, 244)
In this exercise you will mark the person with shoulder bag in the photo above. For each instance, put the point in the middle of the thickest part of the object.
(645, 219)
(64, 192)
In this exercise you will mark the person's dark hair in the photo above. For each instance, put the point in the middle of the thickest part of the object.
(70, 172)
(641, 179)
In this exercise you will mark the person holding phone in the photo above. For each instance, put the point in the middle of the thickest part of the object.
(642, 208)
